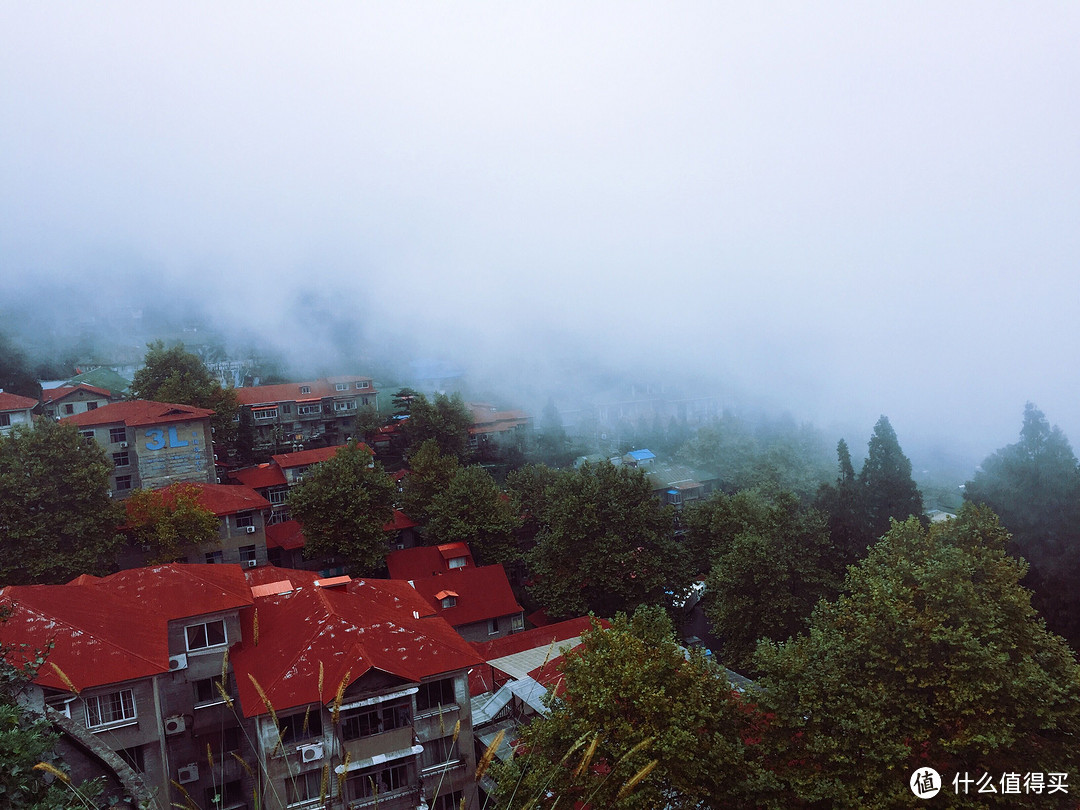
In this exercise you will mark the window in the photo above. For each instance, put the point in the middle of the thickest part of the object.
(215, 557)
(448, 801)
(439, 752)
(345, 405)
(341, 387)
(517, 623)
(244, 519)
(378, 781)
(301, 726)
(123, 483)
(231, 794)
(268, 413)
(112, 708)
(369, 721)
(133, 757)
(206, 690)
(69, 408)
(120, 459)
(303, 787)
(307, 410)
(91, 406)
(457, 562)
(305, 389)
(87, 436)
(277, 495)
(5, 419)
(276, 517)
(435, 694)
(207, 634)
(448, 601)
(493, 626)
(117, 435)
(247, 553)
(362, 384)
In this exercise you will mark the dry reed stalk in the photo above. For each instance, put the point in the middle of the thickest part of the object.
(586, 758)
(63, 676)
(489, 755)
(243, 762)
(633, 781)
(49, 768)
(340, 696)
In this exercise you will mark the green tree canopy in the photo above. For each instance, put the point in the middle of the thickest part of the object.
(604, 544)
(632, 697)
(166, 521)
(171, 374)
(445, 419)
(343, 505)
(933, 657)
(430, 472)
(56, 517)
(886, 489)
(840, 502)
(772, 561)
(473, 510)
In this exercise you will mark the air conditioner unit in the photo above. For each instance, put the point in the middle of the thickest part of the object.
(249, 529)
(176, 725)
(189, 773)
(251, 563)
(123, 445)
(177, 662)
(311, 753)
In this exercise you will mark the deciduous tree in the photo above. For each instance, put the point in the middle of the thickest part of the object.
(56, 517)
(473, 510)
(166, 521)
(430, 472)
(445, 419)
(933, 657)
(632, 702)
(343, 505)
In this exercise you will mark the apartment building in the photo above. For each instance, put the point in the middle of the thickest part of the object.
(151, 444)
(272, 690)
(15, 410)
(322, 411)
(68, 400)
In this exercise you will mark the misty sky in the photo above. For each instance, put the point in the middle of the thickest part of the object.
(851, 209)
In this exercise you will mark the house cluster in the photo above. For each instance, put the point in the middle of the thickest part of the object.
(233, 687)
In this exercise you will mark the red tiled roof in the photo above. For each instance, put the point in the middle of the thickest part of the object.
(400, 521)
(178, 590)
(265, 475)
(423, 561)
(137, 413)
(451, 551)
(288, 535)
(345, 632)
(98, 637)
(482, 593)
(305, 457)
(221, 499)
(53, 394)
(13, 402)
(539, 637)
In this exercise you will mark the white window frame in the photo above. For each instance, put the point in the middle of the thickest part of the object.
(457, 562)
(268, 413)
(127, 708)
(345, 405)
(308, 410)
(205, 636)
(305, 389)
(117, 435)
(362, 384)
(341, 386)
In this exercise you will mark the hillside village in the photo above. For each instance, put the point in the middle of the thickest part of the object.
(316, 594)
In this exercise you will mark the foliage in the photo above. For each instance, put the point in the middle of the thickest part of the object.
(1034, 486)
(473, 510)
(16, 373)
(167, 520)
(343, 505)
(886, 489)
(772, 561)
(933, 657)
(175, 375)
(445, 419)
(55, 512)
(632, 696)
(840, 502)
(430, 472)
(552, 444)
(403, 400)
(604, 544)
(527, 486)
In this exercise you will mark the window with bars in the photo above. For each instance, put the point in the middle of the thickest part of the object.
(101, 710)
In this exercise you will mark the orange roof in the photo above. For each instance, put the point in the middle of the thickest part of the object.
(343, 632)
(265, 475)
(13, 402)
(49, 395)
(221, 499)
(137, 413)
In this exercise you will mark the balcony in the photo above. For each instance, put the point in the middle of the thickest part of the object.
(367, 747)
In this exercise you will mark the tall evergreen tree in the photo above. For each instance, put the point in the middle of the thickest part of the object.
(886, 488)
(850, 537)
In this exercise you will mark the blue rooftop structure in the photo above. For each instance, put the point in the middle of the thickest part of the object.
(641, 455)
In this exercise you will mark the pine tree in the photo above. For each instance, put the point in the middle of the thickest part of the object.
(885, 488)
